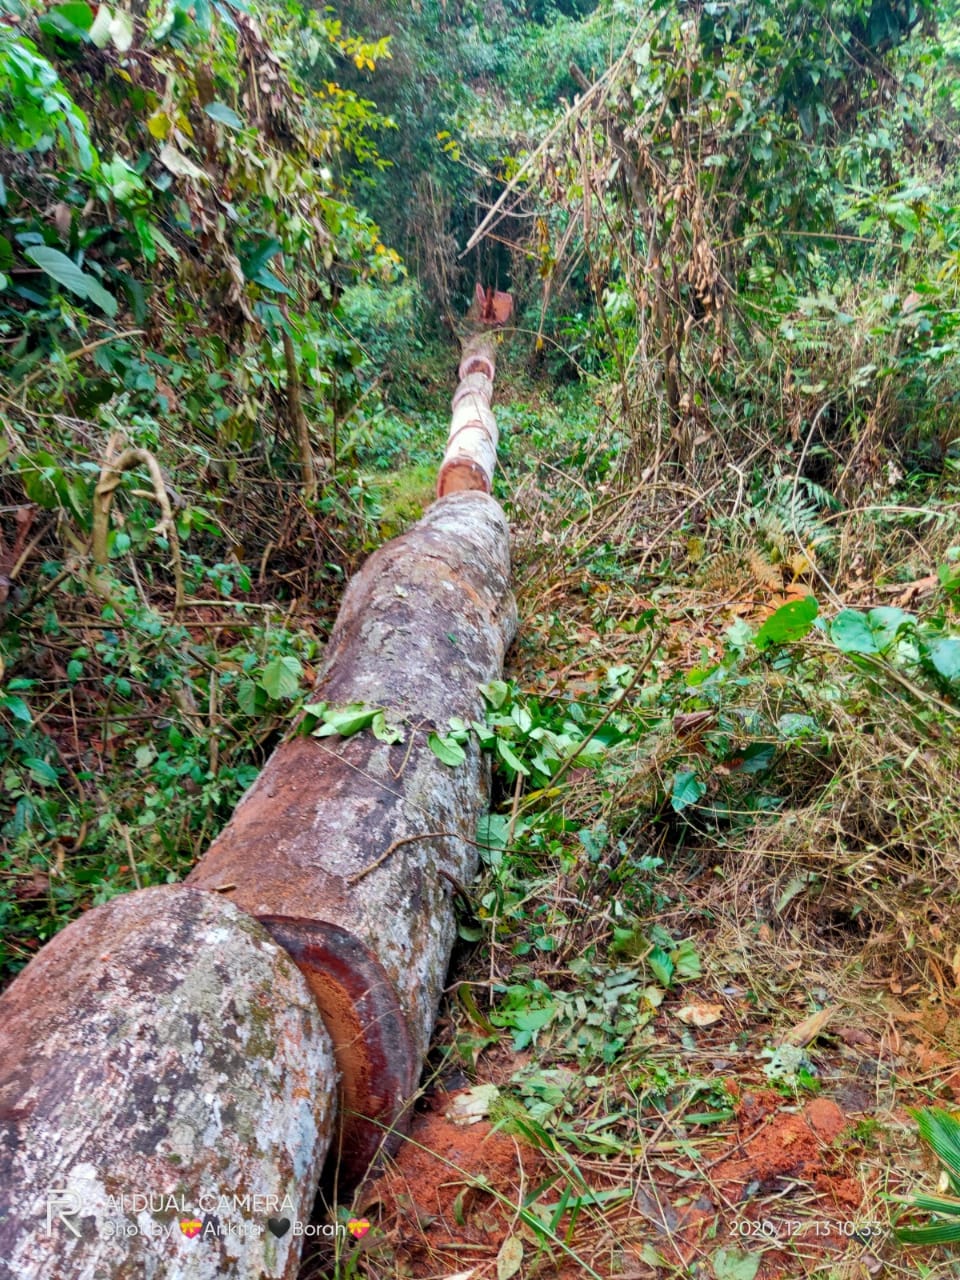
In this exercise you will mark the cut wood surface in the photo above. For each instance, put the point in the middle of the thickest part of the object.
(426, 620)
(471, 453)
(161, 1062)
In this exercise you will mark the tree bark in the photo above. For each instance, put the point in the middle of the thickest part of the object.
(427, 618)
(162, 1060)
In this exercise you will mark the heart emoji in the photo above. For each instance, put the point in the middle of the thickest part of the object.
(191, 1227)
(279, 1226)
(358, 1227)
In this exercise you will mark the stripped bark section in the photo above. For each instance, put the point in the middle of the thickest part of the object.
(162, 1059)
(426, 620)
(471, 454)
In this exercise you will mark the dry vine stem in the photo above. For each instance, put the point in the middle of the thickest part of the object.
(111, 473)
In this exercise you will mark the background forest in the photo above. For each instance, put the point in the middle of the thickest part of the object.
(238, 239)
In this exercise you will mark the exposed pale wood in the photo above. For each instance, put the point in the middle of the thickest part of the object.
(471, 452)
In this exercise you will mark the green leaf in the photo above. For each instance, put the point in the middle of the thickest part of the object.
(790, 622)
(661, 964)
(446, 750)
(686, 961)
(944, 656)
(685, 790)
(940, 1130)
(495, 692)
(935, 1233)
(886, 622)
(66, 272)
(17, 708)
(247, 699)
(257, 255)
(223, 114)
(100, 298)
(757, 757)
(346, 721)
(731, 1264)
(280, 678)
(41, 772)
(383, 731)
(851, 632)
(71, 21)
(509, 757)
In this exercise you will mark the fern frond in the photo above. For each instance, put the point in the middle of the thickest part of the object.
(764, 572)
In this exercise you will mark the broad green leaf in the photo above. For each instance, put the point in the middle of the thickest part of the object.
(757, 757)
(41, 772)
(509, 757)
(71, 21)
(383, 731)
(794, 725)
(446, 750)
(685, 790)
(100, 298)
(280, 678)
(17, 708)
(66, 272)
(851, 632)
(257, 255)
(885, 622)
(346, 721)
(686, 961)
(485, 735)
(662, 966)
(223, 114)
(944, 657)
(495, 692)
(790, 622)
(731, 1264)
(247, 697)
(268, 280)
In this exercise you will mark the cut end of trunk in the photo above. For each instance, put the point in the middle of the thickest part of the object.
(375, 1054)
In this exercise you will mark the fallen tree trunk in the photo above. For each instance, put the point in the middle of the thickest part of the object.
(164, 1046)
(350, 850)
(166, 1088)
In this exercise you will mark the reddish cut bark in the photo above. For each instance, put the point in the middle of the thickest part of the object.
(426, 620)
(161, 1061)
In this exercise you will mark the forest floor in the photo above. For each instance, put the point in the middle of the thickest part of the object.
(741, 1110)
